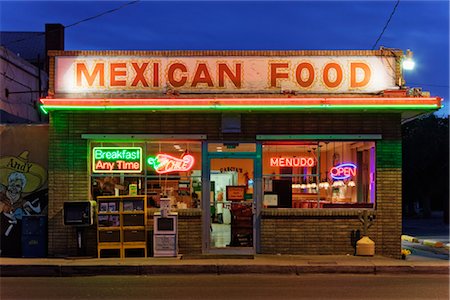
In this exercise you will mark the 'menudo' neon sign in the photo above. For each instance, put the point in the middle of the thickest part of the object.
(117, 160)
(165, 163)
(292, 162)
(343, 171)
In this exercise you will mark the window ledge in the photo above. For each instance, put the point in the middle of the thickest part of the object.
(269, 213)
(182, 213)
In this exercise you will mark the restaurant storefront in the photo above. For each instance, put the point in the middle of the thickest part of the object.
(258, 151)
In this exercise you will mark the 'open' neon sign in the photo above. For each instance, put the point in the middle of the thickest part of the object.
(292, 162)
(165, 163)
(343, 171)
(117, 160)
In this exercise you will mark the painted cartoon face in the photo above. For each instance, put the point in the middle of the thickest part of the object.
(14, 189)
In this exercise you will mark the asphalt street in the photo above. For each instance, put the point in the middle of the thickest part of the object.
(229, 287)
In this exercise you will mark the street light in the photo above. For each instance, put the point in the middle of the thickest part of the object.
(408, 63)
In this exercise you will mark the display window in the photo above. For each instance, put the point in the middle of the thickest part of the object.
(317, 174)
(164, 169)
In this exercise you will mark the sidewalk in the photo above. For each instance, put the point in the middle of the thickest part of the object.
(259, 264)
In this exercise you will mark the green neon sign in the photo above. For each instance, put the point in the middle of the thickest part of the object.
(117, 160)
(46, 108)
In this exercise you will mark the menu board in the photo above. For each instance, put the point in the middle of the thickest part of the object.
(235, 193)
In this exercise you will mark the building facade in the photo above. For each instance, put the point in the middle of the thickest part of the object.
(291, 152)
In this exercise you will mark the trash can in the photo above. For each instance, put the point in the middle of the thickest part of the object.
(34, 236)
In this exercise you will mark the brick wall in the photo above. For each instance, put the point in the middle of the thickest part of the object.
(310, 231)
(389, 195)
(69, 175)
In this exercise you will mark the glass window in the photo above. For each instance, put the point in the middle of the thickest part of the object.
(117, 169)
(338, 174)
(156, 169)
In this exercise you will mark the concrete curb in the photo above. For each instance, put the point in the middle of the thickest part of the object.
(409, 238)
(69, 271)
(30, 271)
(425, 242)
(412, 270)
(433, 243)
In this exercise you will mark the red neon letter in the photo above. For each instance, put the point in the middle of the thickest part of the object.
(114, 73)
(274, 75)
(139, 74)
(274, 161)
(171, 75)
(202, 76)
(98, 70)
(235, 78)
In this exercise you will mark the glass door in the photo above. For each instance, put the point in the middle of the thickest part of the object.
(232, 202)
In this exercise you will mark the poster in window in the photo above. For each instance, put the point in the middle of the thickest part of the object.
(235, 192)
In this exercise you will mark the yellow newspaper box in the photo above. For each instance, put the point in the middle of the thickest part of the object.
(365, 247)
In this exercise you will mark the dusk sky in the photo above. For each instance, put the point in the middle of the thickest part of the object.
(422, 26)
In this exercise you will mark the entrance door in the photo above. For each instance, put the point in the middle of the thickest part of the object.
(232, 204)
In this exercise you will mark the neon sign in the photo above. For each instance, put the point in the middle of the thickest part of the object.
(343, 171)
(292, 162)
(165, 163)
(117, 160)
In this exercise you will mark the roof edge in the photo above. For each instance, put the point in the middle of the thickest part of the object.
(384, 52)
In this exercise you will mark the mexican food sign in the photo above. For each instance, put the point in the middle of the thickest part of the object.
(223, 74)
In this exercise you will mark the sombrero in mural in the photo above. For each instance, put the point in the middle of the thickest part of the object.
(35, 174)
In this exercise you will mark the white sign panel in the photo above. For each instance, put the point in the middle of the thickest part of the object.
(270, 200)
(223, 74)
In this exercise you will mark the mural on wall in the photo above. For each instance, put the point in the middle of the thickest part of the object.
(23, 183)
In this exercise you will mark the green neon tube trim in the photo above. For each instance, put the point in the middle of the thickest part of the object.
(42, 108)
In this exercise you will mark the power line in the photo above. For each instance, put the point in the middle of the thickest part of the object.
(386, 25)
(427, 84)
(76, 23)
(102, 14)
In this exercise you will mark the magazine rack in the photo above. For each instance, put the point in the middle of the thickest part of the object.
(121, 226)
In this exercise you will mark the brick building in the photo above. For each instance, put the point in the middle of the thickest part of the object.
(258, 151)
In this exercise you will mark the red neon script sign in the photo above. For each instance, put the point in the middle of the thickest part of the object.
(165, 163)
(292, 162)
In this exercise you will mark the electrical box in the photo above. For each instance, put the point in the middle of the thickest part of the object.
(80, 213)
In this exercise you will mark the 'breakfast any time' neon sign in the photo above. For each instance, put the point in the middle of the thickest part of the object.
(165, 163)
(117, 160)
